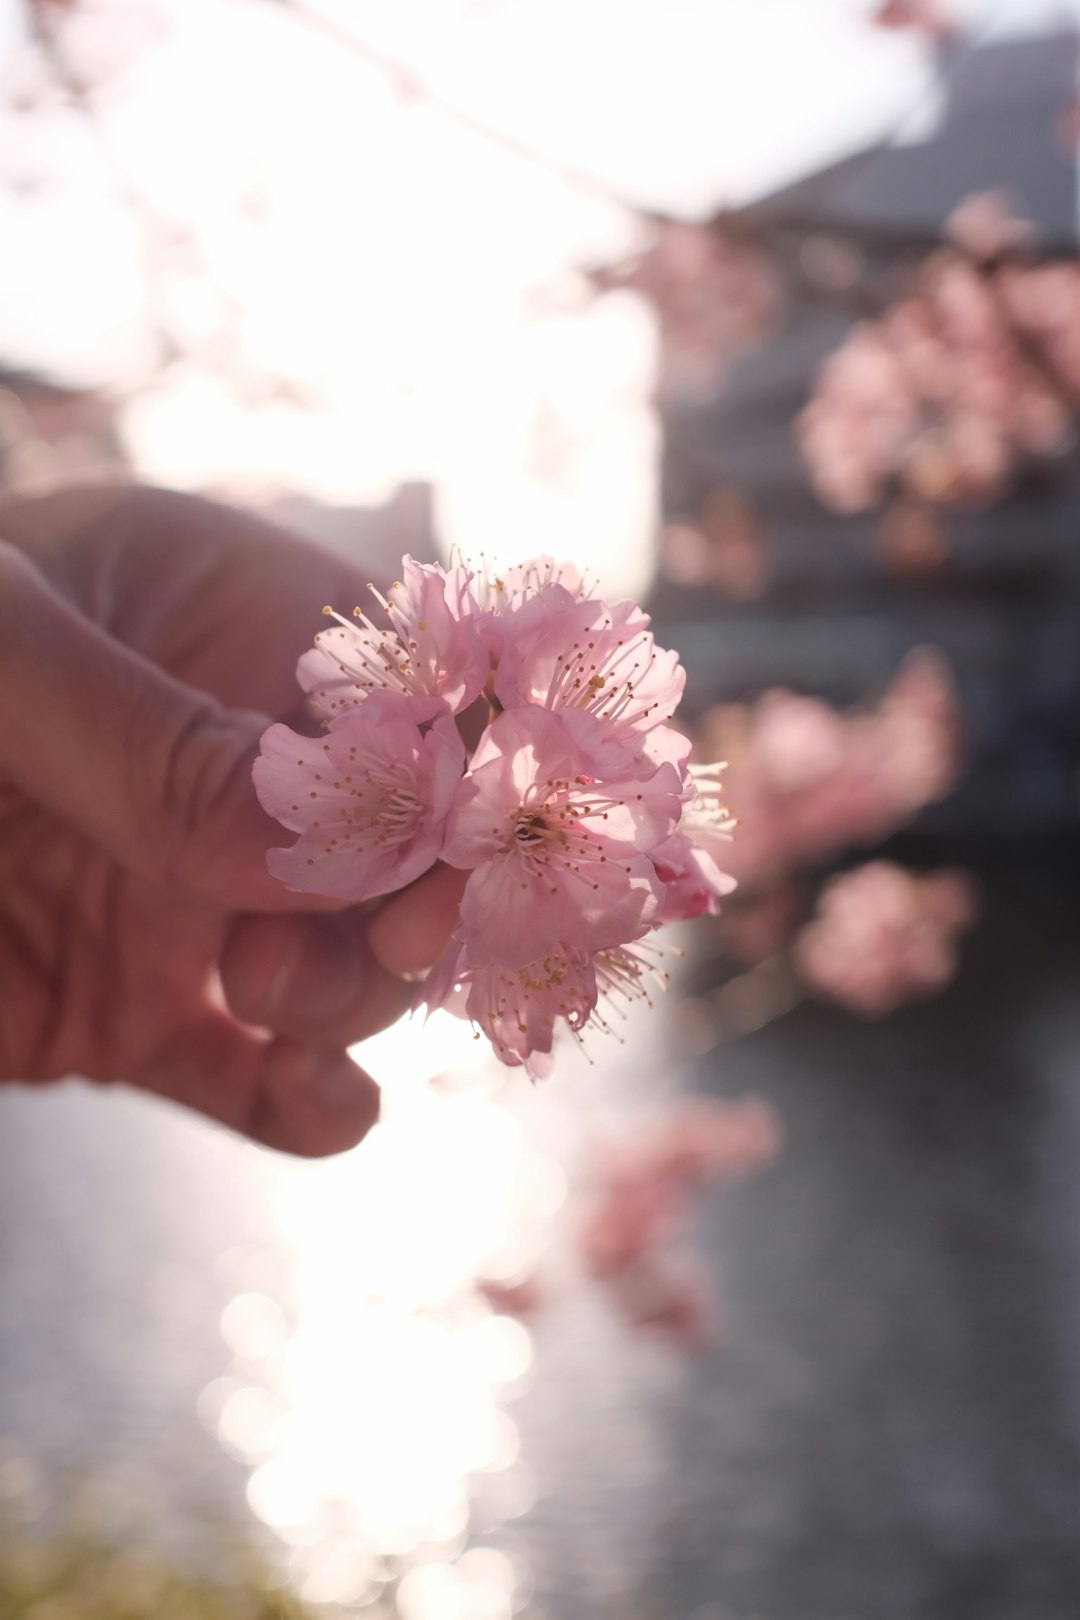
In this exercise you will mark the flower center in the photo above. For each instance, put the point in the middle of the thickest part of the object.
(530, 829)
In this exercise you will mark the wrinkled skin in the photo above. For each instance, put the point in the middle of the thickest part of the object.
(141, 938)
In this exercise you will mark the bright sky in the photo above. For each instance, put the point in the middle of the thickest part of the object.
(677, 104)
(415, 282)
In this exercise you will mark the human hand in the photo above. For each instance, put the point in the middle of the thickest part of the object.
(146, 640)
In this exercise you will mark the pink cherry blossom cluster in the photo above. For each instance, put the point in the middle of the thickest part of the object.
(644, 1198)
(715, 295)
(970, 376)
(641, 1193)
(572, 807)
(810, 780)
(883, 936)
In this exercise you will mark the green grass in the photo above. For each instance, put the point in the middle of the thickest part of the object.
(75, 1576)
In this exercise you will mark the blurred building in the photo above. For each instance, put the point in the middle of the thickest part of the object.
(762, 583)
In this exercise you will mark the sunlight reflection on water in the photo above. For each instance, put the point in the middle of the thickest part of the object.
(368, 1401)
(345, 1326)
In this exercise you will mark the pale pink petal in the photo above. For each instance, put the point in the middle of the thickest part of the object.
(369, 800)
(518, 1008)
(688, 861)
(512, 910)
(498, 593)
(593, 657)
(558, 775)
(694, 883)
(558, 856)
(342, 671)
(420, 644)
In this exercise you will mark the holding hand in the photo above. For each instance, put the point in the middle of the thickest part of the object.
(146, 641)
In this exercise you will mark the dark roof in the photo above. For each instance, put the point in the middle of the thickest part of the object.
(999, 129)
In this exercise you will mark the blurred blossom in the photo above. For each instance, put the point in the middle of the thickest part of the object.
(642, 1200)
(831, 262)
(1068, 128)
(638, 1189)
(914, 539)
(963, 381)
(882, 936)
(934, 18)
(714, 295)
(806, 780)
(987, 224)
(671, 1298)
(797, 741)
(525, 1299)
(103, 39)
(724, 550)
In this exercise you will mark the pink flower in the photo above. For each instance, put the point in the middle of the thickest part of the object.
(642, 1202)
(369, 800)
(798, 741)
(808, 780)
(987, 223)
(429, 652)
(577, 817)
(497, 594)
(517, 1008)
(632, 1218)
(556, 831)
(882, 936)
(715, 296)
(686, 862)
(585, 655)
(930, 17)
(706, 1138)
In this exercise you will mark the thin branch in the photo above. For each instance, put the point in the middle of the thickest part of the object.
(399, 74)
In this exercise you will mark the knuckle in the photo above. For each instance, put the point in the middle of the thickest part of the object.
(199, 769)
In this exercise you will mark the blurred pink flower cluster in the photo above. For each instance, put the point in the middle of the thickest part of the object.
(643, 1200)
(715, 297)
(970, 376)
(627, 1224)
(722, 549)
(934, 18)
(808, 780)
(577, 817)
(882, 936)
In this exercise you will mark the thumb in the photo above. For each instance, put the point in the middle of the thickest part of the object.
(155, 772)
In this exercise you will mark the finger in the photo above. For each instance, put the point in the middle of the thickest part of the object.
(312, 978)
(259, 589)
(156, 773)
(409, 933)
(299, 1099)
